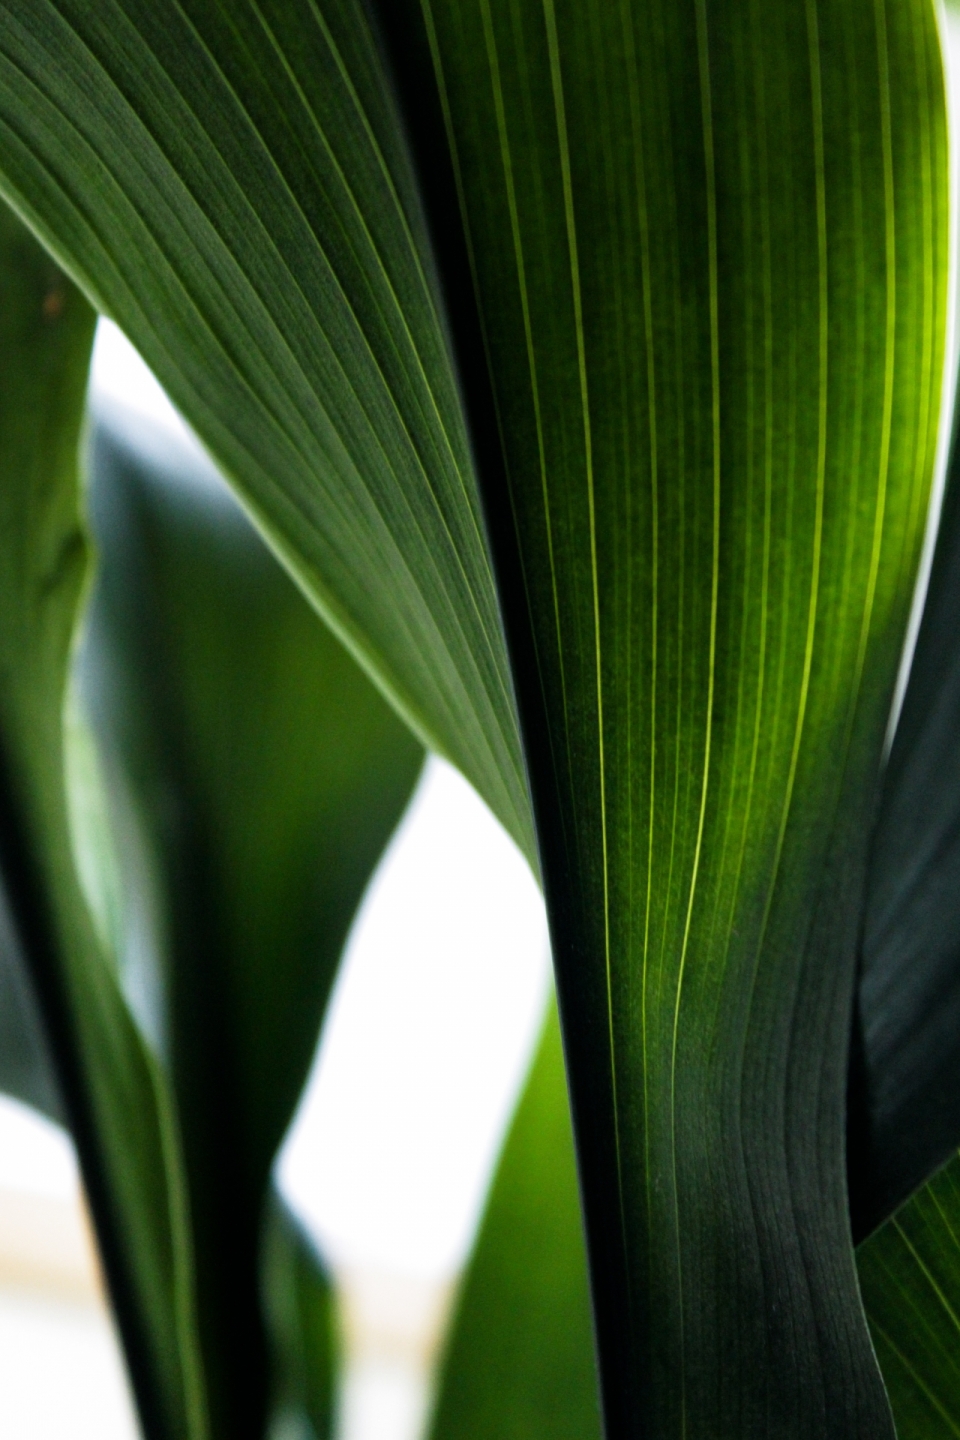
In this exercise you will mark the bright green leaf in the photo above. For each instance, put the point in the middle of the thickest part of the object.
(268, 774)
(708, 242)
(518, 1363)
(231, 185)
(116, 1101)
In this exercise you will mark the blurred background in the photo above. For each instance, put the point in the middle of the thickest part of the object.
(428, 1036)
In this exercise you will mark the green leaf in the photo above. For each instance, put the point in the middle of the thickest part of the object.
(268, 775)
(905, 1099)
(115, 1099)
(518, 1362)
(26, 1065)
(299, 1302)
(231, 185)
(910, 1278)
(708, 245)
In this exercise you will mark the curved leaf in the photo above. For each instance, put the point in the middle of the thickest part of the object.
(905, 1101)
(268, 774)
(910, 1277)
(231, 185)
(115, 1099)
(708, 246)
(518, 1362)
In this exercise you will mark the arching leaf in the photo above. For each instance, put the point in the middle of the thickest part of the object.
(232, 186)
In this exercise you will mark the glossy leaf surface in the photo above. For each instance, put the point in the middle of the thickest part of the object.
(707, 243)
(518, 1362)
(268, 774)
(905, 1100)
(115, 1099)
(910, 1277)
(231, 185)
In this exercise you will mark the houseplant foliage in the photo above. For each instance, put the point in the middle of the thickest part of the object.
(259, 796)
(267, 774)
(518, 1360)
(583, 363)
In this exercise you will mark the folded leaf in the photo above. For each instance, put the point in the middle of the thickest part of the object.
(267, 774)
(518, 1363)
(905, 1098)
(115, 1099)
(232, 186)
(708, 246)
(910, 1277)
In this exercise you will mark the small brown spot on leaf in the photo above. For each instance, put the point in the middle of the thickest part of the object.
(53, 302)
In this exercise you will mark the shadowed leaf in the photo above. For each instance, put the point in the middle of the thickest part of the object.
(707, 247)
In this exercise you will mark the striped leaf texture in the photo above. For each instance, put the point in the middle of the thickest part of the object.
(692, 259)
(231, 184)
(707, 249)
(910, 1274)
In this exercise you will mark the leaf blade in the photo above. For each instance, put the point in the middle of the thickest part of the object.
(268, 775)
(301, 335)
(116, 1102)
(677, 251)
(518, 1359)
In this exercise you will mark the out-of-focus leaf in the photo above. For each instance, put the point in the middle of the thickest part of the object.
(115, 1099)
(26, 1065)
(519, 1360)
(231, 184)
(268, 774)
(300, 1306)
(910, 1278)
(905, 1095)
(708, 244)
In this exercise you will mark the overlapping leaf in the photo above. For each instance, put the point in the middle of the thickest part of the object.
(518, 1362)
(708, 248)
(231, 184)
(115, 1099)
(267, 773)
(910, 1276)
(905, 1110)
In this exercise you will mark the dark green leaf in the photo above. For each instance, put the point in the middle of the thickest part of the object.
(231, 184)
(519, 1361)
(905, 1096)
(910, 1278)
(708, 244)
(268, 774)
(115, 1098)
(26, 1065)
(300, 1308)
